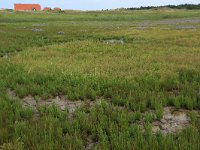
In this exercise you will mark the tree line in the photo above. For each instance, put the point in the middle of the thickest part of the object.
(182, 6)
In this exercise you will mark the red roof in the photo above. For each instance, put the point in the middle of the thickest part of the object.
(27, 7)
(46, 8)
(57, 9)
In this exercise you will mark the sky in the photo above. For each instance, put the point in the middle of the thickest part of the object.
(96, 4)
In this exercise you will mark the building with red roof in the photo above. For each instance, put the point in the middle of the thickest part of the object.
(47, 9)
(57, 9)
(27, 7)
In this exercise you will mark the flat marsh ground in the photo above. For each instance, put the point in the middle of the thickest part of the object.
(134, 62)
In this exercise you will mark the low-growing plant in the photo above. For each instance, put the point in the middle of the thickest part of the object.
(16, 145)
(159, 113)
(193, 117)
(149, 117)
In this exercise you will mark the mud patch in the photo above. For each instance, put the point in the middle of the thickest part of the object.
(143, 26)
(11, 93)
(186, 27)
(61, 33)
(114, 41)
(173, 120)
(63, 103)
(1, 31)
(179, 21)
(60, 101)
(90, 143)
(39, 25)
(36, 30)
(29, 101)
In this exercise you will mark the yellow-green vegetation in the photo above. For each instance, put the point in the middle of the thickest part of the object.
(136, 60)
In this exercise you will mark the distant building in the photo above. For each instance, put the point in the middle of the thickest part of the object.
(46, 9)
(57, 9)
(27, 7)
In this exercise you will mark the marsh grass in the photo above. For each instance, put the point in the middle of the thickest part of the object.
(153, 68)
